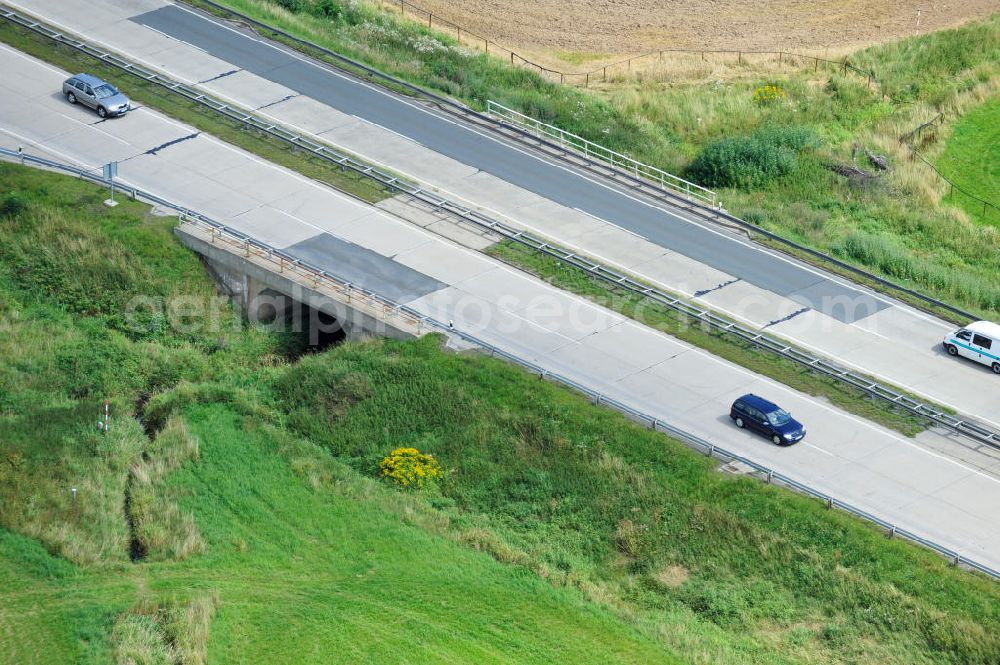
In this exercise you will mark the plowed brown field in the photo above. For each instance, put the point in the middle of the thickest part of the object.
(575, 27)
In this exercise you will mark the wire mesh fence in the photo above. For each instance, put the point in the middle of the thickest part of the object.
(650, 64)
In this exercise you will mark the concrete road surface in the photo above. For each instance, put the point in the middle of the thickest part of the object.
(860, 329)
(931, 493)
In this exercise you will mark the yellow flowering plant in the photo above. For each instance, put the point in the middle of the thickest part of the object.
(410, 468)
(769, 94)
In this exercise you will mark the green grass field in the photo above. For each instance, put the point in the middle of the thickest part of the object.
(971, 158)
(895, 225)
(295, 558)
(561, 532)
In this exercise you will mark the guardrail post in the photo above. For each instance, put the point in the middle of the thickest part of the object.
(770, 475)
(892, 532)
(829, 503)
(711, 451)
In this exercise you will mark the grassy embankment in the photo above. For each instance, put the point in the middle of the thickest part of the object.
(893, 224)
(256, 546)
(748, 356)
(269, 539)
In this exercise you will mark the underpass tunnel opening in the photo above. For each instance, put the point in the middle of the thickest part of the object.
(305, 328)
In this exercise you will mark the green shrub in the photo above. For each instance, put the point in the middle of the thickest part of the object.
(751, 161)
(293, 6)
(12, 203)
(743, 162)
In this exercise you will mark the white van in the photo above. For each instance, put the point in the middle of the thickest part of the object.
(979, 341)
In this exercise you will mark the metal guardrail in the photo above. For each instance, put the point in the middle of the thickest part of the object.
(591, 149)
(601, 169)
(247, 245)
(428, 324)
(964, 426)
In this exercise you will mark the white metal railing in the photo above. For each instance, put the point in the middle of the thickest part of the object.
(591, 149)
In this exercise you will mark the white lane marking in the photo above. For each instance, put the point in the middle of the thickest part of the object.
(825, 452)
(612, 315)
(604, 221)
(172, 38)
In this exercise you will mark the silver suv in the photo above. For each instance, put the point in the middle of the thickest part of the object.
(97, 94)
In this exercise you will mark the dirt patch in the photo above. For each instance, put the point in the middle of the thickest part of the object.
(568, 30)
(672, 577)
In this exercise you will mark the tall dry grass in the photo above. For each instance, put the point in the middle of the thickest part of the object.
(162, 528)
(174, 633)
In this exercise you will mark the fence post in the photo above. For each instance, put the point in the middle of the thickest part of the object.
(512, 57)
(430, 18)
(815, 65)
(605, 74)
(739, 57)
(779, 57)
(487, 45)
(586, 83)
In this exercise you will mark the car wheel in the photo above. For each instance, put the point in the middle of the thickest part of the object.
(776, 439)
(71, 98)
(101, 111)
(996, 368)
(951, 349)
(740, 423)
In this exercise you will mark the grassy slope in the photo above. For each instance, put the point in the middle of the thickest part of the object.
(336, 566)
(333, 575)
(972, 158)
(896, 228)
(608, 542)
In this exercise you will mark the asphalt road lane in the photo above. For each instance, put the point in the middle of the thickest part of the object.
(461, 143)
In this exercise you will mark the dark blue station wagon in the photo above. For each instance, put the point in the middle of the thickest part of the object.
(767, 418)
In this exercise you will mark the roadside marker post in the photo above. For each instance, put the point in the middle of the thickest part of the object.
(110, 173)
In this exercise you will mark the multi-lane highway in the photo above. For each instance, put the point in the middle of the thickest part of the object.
(860, 329)
(877, 470)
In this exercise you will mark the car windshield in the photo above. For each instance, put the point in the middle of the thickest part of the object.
(779, 417)
(105, 91)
